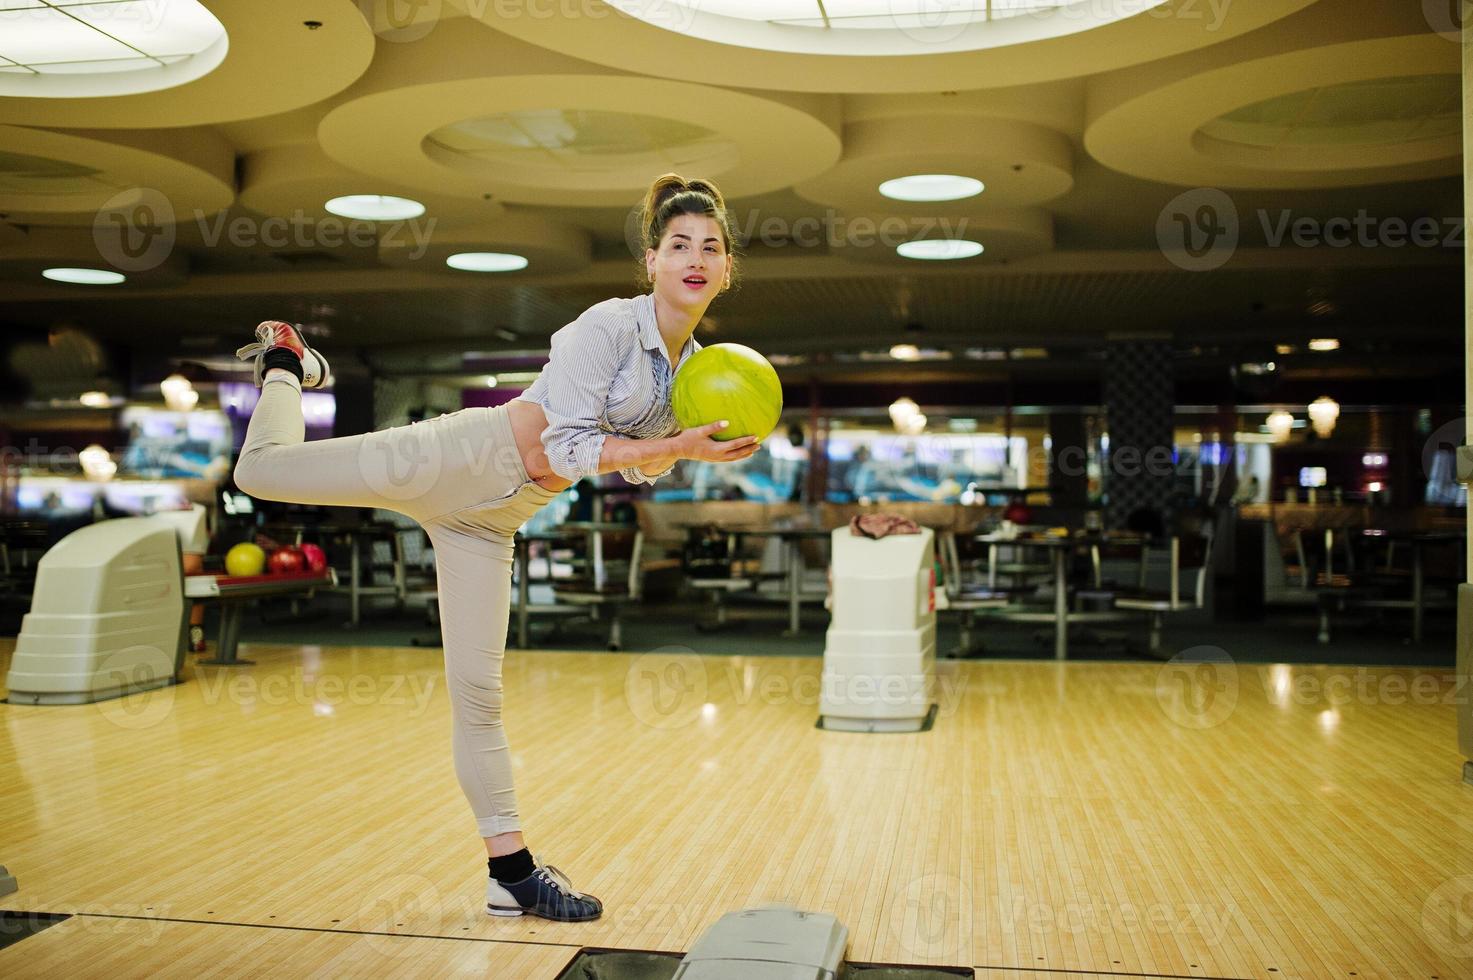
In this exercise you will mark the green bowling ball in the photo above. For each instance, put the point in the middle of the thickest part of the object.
(731, 382)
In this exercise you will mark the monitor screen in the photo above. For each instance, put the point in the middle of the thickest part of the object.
(1311, 476)
(236, 503)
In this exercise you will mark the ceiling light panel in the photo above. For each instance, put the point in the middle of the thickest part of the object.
(844, 14)
(61, 38)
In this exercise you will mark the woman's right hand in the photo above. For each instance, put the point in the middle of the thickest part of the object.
(697, 443)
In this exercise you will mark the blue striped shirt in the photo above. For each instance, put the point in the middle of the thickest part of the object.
(608, 374)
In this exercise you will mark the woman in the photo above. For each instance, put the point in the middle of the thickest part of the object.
(473, 477)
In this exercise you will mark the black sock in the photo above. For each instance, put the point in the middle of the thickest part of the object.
(512, 867)
(280, 357)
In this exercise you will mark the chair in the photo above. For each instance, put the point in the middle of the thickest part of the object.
(712, 564)
(1014, 568)
(1159, 602)
(611, 581)
(1333, 591)
(957, 597)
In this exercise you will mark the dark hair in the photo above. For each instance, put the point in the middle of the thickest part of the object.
(672, 194)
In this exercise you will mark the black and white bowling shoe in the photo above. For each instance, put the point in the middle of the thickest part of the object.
(546, 892)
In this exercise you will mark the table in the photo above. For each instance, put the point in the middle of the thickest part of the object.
(1418, 540)
(1061, 547)
(792, 539)
(522, 543)
(232, 591)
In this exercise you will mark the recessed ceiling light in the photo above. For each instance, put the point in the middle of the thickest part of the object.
(931, 187)
(374, 207)
(99, 49)
(938, 249)
(490, 381)
(905, 352)
(834, 19)
(1324, 343)
(486, 262)
(85, 277)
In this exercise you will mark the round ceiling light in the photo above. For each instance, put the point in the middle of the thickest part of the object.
(939, 249)
(85, 277)
(374, 207)
(931, 187)
(486, 262)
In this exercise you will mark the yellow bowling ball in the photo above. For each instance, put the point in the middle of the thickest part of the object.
(245, 559)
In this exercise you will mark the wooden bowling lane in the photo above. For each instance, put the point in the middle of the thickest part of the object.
(1219, 820)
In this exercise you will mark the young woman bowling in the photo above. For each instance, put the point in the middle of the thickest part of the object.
(471, 478)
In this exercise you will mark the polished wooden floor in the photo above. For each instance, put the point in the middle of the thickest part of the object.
(301, 817)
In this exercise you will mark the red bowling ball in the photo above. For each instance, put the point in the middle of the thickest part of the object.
(286, 561)
(315, 557)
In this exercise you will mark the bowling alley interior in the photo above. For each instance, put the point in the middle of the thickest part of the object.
(825, 489)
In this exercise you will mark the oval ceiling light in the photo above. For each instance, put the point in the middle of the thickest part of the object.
(486, 262)
(374, 207)
(939, 249)
(1324, 344)
(85, 277)
(932, 187)
(76, 50)
(905, 352)
(871, 27)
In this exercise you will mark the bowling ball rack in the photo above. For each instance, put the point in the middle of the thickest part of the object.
(233, 592)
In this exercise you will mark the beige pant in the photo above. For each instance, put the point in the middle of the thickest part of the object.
(460, 476)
